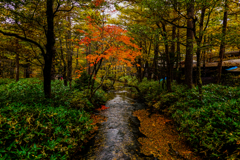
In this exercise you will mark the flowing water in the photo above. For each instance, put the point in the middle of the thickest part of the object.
(117, 137)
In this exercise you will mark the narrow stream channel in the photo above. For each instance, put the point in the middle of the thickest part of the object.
(117, 137)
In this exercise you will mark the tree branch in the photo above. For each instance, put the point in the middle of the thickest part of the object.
(210, 11)
(24, 39)
(62, 10)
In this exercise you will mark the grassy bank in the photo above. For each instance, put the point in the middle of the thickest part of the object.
(211, 126)
(32, 127)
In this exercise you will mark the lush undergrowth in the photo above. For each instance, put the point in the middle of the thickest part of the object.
(211, 126)
(33, 127)
(149, 89)
(5, 80)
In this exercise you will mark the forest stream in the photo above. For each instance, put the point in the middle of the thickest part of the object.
(118, 137)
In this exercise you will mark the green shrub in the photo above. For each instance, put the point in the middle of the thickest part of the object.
(82, 81)
(129, 80)
(79, 100)
(212, 125)
(213, 129)
(61, 95)
(112, 76)
(4, 81)
(30, 91)
(25, 91)
(183, 98)
(150, 89)
(99, 98)
(33, 127)
(107, 84)
(230, 79)
(41, 132)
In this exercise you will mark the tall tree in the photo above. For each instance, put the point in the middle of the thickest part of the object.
(189, 45)
(112, 45)
(172, 53)
(17, 61)
(69, 48)
(222, 46)
(45, 22)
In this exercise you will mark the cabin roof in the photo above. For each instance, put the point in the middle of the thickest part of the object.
(226, 63)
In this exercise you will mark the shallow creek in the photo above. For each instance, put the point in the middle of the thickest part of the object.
(117, 137)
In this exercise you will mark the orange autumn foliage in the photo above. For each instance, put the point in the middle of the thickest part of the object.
(98, 2)
(102, 108)
(112, 43)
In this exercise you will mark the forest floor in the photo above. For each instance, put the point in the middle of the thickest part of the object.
(162, 139)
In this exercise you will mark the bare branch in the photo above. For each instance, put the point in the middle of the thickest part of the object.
(58, 5)
(209, 16)
(34, 51)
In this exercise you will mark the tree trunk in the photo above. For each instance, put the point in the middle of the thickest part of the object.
(77, 67)
(172, 55)
(27, 69)
(17, 61)
(204, 58)
(64, 74)
(178, 75)
(95, 71)
(53, 70)
(70, 50)
(49, 49)
(222, 46)
(199, 79)
(148, 71)
(209, 41)
(189, 46)
(17, 67)
(139, 70)
(1, 66)
(169, 88)
(88, 64)
(155, 60)
(199, 48)
(12, 69)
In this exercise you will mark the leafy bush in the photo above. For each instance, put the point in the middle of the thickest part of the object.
(79, 100)
(211, 125)
(230, 79)
(33, 127)
(61, 95)
(150, 89)
(41, 132)
(99, 98)
(107, 84)
(4, 81)
(82, 81)
(25, 91)
(112, 76)
(129, 80)
(213, 129)
(30, 91)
